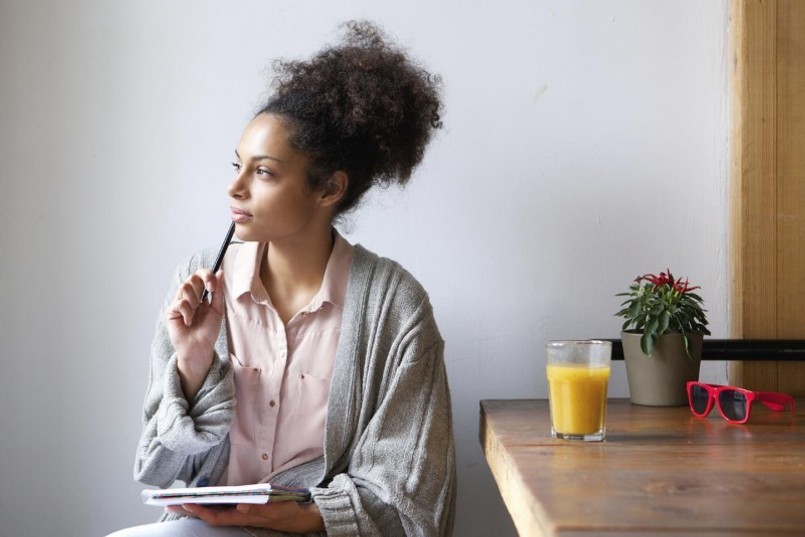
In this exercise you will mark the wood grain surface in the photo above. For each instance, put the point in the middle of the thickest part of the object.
(660, 471)
(767, 189)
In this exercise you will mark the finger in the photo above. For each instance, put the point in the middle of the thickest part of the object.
(267, 511)
(207, 280)
(194, 286)
(217, 291)
(187, 294)
(179, 309)
(178, 510)
(183, 310)
(172, 312)
(219, 517)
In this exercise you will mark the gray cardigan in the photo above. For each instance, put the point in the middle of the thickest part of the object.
(389, 459)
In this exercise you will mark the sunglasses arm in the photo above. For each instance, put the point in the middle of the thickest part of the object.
(776, 401)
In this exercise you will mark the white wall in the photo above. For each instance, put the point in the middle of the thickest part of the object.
(585, 143)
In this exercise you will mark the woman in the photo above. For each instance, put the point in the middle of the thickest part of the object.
(315, 363)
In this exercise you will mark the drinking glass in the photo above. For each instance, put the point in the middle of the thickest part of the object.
(578, 375)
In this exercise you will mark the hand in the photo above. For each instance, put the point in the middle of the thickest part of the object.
(291, 517)
(193, 327)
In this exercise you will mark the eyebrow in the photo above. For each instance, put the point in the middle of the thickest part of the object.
(260, 157)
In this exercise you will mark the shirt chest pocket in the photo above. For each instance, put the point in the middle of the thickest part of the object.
(247, 382)
(307, 377)
(306, 390)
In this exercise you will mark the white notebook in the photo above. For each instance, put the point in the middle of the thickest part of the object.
(260, 493)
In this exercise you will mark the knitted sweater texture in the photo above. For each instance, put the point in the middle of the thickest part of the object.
(389, 459)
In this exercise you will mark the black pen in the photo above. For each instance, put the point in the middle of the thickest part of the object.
(220, 259)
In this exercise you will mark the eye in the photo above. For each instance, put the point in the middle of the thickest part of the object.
(264, 172)
(236, 166)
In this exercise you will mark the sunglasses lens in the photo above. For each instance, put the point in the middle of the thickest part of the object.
(699, 398)
(733, 403)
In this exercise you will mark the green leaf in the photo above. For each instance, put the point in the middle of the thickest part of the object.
(665, 319)
(656, 310)
(646, 343)
(687, 344)
(652, 327)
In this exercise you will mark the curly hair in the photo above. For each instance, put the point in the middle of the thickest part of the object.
(363, 107)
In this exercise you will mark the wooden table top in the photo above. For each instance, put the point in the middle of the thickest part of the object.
(660, 471)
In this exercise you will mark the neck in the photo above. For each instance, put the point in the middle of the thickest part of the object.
(292, 271)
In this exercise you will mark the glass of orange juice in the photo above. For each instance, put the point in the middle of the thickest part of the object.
(578, 374)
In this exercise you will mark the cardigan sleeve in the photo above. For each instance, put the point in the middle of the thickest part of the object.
(400, 478)
(178, 435)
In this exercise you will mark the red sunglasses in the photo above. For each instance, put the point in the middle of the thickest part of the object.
(735, 404)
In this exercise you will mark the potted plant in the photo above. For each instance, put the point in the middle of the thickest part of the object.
(662, 334)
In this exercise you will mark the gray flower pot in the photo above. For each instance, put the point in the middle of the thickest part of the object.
(660, 379)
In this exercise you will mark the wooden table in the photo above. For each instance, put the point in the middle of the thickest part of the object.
(660, 471)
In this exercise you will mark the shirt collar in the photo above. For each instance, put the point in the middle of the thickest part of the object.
(336, 275)
(246, 273)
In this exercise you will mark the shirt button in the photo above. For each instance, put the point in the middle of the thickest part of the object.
(272, 403)
(264, 456)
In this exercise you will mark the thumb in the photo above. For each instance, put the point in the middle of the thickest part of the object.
(218, 295)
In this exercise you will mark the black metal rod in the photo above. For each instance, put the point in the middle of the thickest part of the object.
(761, 350)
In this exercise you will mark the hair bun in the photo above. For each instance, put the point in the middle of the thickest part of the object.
(362, 106)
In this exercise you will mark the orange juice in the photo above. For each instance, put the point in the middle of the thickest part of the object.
(578, 398)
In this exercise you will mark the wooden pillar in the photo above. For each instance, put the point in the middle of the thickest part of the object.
(767, 185)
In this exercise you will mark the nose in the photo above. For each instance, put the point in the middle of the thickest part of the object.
(238, 188)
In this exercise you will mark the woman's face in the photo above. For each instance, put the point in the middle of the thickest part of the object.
(270, 198)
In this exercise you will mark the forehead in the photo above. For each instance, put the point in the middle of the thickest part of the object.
(266, 135)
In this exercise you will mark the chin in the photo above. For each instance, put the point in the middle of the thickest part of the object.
(247, 234)
(243, 234)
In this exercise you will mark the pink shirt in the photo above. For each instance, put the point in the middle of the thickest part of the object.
(282, 373)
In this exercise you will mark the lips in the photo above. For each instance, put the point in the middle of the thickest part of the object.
(239, 215)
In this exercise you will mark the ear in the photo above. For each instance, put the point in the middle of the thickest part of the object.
(335, 189)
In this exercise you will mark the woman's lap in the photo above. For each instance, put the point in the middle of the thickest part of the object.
(185, 527)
